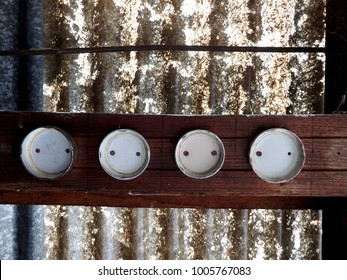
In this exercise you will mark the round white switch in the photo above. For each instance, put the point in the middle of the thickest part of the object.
(200, 154)
(48, 152)
(124, 154)
(277, 155)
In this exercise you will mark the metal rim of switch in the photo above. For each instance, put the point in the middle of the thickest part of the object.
(200, 154)
(277, 155)
(124, 154)
(48, 152)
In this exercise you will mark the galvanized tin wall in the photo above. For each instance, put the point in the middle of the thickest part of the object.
(21, 88)
(175, 83)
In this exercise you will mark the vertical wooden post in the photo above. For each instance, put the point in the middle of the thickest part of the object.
(336, 55)
(335, 218)
(334, 244)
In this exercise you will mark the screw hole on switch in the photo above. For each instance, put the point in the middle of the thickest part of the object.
(186, 153)
(138, 154)
(38, 151)
(213, 153)
(67, 151)
(289, 153)
(259, 153)
(112, 153)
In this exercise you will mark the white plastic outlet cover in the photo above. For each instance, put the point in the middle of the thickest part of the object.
(124, 154)
(48, 152)
(277, 155)
(200, 154)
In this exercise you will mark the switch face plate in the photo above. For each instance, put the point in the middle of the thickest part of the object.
(124, 154)
(277, 155)
(200, 154)
(47, 152)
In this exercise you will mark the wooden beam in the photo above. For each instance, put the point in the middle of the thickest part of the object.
(322, 183)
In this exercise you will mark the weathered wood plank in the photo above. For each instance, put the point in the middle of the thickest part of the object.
(240, 183)
(113, 199)
(252, 125)
(332, 126)
(147, 125)
(329, 154)
(177, 126)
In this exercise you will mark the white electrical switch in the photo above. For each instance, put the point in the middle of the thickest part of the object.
(200, 154)
(48, 152)
(277, 155)
(124, 154)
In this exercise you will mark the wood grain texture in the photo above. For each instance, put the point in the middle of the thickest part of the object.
(322, 181)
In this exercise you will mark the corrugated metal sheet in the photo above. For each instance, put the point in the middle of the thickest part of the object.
(160, 83)
(21, 88)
